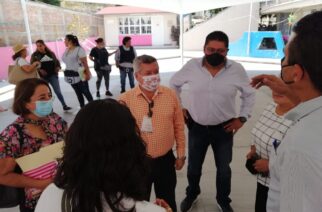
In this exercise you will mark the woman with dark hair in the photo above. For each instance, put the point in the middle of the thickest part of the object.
(104, 166)
(20, 54)
(49, 68)
(77, 72)
(37, 126)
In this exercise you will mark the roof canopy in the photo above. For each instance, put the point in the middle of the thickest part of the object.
(175, 6)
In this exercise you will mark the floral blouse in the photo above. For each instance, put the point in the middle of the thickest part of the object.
(55, 128)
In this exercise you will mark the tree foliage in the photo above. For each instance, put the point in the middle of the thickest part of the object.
(52, 2)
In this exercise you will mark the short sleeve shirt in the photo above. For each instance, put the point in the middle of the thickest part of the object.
(55, 128)
(71, 58)
(21, 61)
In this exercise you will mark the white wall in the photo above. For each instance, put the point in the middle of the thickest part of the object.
(170, 19)
(111, 30)
(157, 25)
(233, 21)
(161, 28)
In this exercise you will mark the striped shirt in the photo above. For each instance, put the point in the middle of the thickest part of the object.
(167, 120)
(269, 127)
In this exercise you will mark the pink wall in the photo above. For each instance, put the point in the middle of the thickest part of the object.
(138, 40)
(57, 47)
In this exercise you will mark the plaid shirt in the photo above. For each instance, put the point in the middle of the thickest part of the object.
(265, 132)
(167, 120)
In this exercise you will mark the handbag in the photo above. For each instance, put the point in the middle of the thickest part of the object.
(16, 74)
(12, 196)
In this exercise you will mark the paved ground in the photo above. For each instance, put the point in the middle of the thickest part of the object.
(243, 183)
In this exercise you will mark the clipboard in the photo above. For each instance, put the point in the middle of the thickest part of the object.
(44, 156)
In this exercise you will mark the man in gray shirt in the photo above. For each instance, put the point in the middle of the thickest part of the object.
(296, 166)
(211, 118)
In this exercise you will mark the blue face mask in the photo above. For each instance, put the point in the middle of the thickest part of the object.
(43, 108)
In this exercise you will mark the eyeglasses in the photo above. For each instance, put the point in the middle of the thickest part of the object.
(151, 105)
(282, 76)
(213, 50)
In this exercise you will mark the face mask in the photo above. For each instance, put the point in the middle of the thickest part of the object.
(43, 108)
(151, 83)
(215, 59)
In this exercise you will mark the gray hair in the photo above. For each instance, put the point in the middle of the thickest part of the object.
(146, 59)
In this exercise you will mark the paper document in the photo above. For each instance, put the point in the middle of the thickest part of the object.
(44, 156)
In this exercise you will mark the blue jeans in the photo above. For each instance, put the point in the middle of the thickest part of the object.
(54, 82)
(81, 88)
(123, 73)
(200, 137)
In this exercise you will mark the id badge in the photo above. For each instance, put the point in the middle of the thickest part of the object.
(147, 124)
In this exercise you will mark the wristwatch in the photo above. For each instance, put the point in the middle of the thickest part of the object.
(242, 119)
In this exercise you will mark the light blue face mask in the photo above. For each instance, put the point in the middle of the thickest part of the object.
(43, 108)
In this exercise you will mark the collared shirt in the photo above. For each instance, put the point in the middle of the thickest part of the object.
(211, 100)
(296, 169)
(167, 120)
(269, 128)
(118, 55)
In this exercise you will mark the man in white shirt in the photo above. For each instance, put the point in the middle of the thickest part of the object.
(211, 117)
(296, 168)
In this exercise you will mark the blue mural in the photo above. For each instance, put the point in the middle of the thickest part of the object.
(263, 44)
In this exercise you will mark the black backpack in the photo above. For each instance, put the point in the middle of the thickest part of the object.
(12, 196)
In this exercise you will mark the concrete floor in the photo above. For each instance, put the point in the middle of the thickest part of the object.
(243, 183)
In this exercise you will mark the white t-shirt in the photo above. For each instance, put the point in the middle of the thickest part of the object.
(71, 58)
(21, 61)
(50, 201)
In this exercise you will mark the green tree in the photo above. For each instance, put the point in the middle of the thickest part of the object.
(52, 2)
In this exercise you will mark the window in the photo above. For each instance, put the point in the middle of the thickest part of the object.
(268, 44)
(135, 25)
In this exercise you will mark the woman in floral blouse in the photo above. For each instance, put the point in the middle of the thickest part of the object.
(37, 126)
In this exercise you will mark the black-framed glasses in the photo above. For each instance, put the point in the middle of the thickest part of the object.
(282, 76)
(151, 105)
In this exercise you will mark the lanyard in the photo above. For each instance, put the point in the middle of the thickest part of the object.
(150, 104)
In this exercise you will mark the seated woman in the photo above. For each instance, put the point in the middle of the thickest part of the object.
(37, 126)
(104, 166)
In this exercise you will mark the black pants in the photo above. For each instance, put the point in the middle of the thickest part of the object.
(81, 88)
(100, 75)
(261, 198)
(163, 176)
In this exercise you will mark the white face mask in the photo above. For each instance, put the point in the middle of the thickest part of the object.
(151, 82)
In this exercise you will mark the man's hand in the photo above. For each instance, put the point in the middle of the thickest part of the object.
(261, 165)
(185, 113)
(180, 163)
(276, 84)
(233, 126)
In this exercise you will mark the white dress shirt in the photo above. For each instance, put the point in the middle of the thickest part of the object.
(211, 100)
(296, 168)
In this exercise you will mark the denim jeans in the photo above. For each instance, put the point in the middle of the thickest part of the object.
(123, 73)
(54, 82)
(200, 137)
(100, 75)
(81, 88)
